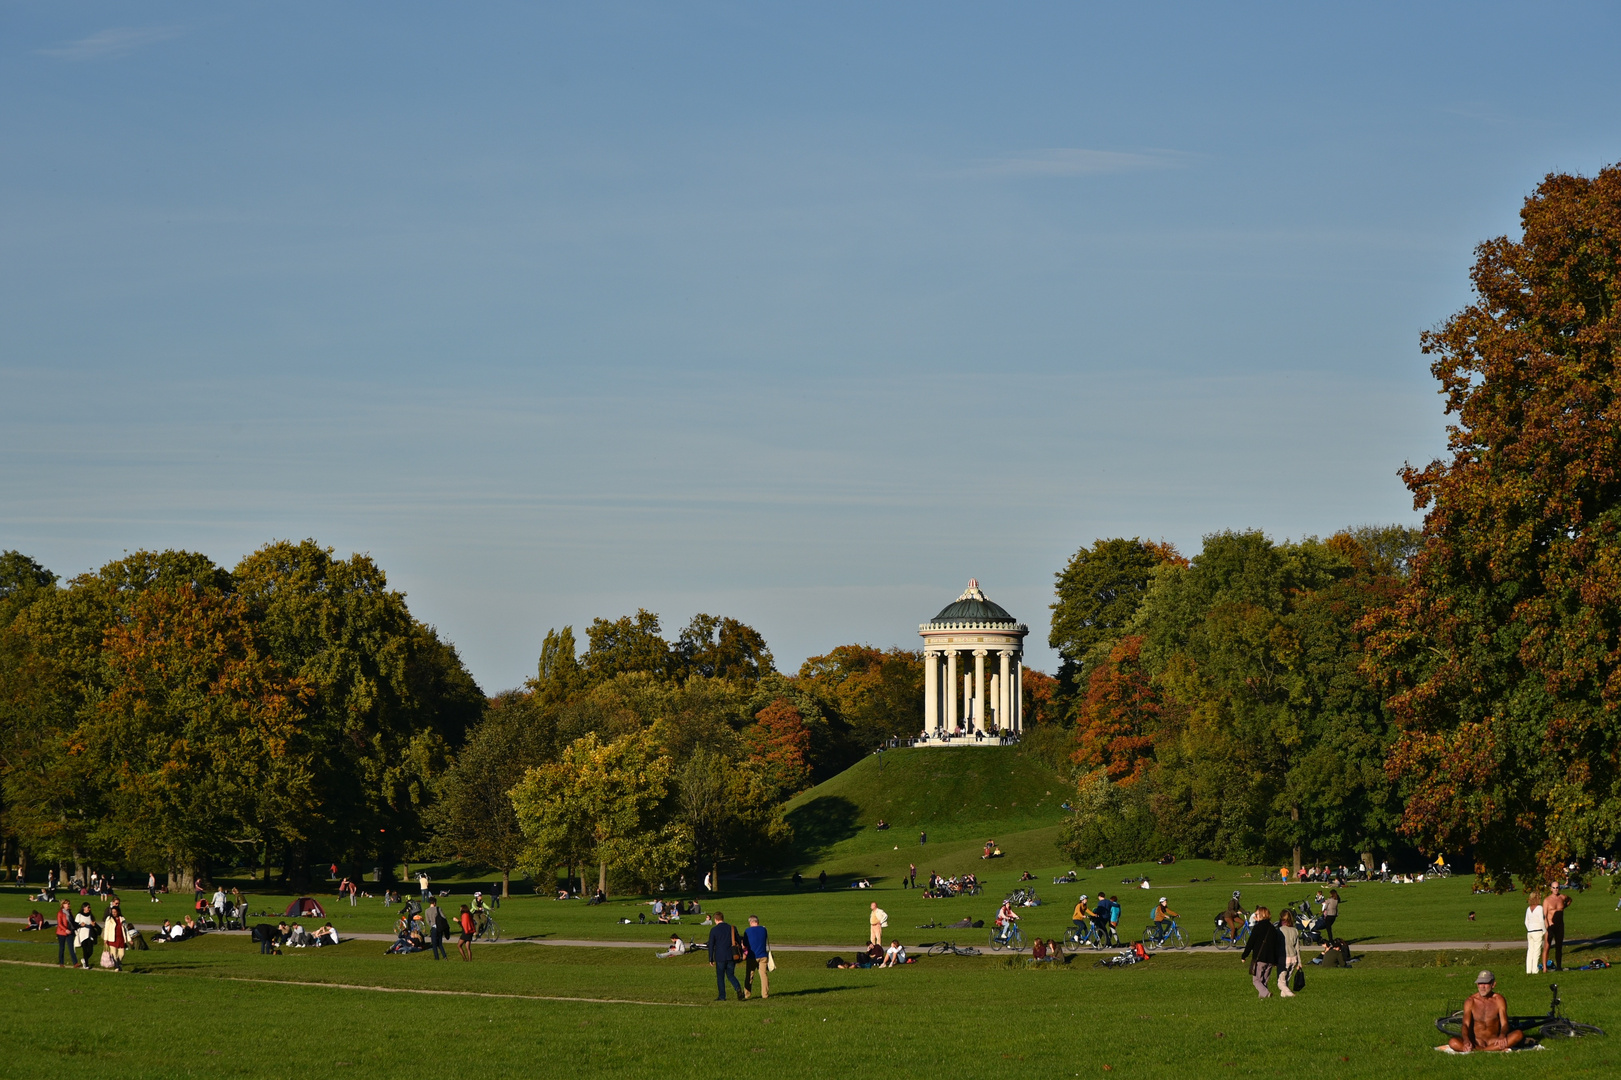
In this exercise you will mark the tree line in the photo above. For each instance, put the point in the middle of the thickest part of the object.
(1455, 689)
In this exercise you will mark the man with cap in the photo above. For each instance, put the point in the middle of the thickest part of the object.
(1164, 917)
(1485, 1020)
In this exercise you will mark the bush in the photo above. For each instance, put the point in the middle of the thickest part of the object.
(1113, 825)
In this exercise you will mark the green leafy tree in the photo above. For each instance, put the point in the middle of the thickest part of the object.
(715, 647)
(472, 815)
(562, 677)
(1502, 658)
(617, 797)
(1098, 593)
(388, 697)
(631, 643)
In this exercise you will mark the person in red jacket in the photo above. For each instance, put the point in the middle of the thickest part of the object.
(466, 943)
(64, 933)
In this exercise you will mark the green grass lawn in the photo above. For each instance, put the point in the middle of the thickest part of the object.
(1431, 911)
(215, 1007)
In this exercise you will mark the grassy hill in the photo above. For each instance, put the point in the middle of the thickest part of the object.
(958, 796)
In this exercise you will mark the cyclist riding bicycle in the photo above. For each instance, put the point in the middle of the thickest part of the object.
(1081, 916)
(1005, 918)
(1164, 918)
(1235, 916)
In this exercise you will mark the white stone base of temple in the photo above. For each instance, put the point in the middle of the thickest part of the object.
(933, 738)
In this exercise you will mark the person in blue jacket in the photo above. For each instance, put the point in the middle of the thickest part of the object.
(757, 957)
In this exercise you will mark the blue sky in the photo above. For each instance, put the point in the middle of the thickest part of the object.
(799, 313)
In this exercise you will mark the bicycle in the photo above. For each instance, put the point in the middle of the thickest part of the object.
(1008, 937)
(1092, 937)
(1551, 1025)
(1164, 935)
(487, 928)
(951, 948)
(1226, 937)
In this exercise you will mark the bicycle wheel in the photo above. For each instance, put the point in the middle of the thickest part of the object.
(997, 942)
(1151, 938)
(1175, 940)
(967, 950)
(492, 932)
(940, 948)
(1223, 939)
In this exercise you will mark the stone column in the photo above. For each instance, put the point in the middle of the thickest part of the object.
(1004, 715)
(1018, 695)
(979, 689)
(951, 690)
(931, 691)
(994, 716)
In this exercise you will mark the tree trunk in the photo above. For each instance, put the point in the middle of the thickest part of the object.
(506, 884)
(1294, 816)
(267, 862)
(714, 877)
(602, 878)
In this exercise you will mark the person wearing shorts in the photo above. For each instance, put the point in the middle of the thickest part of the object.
(465, 945)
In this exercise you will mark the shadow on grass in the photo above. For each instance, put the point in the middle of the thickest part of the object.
(818, 990)
(824, 822)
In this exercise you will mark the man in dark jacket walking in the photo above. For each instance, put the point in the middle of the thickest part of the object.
(723, 957)
(1264, 951)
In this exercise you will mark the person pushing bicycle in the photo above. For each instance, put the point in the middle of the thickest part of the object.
(1081, 915)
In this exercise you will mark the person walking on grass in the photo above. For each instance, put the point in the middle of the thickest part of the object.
(723, 950)
(422, 880)
(1331, 911)
(757, 957)
(436, 927)
(1535, 927)
(1264, 951)
(465, 945)
(84, 934)
(152, 887)
(113, 941)
(1291, 952)
(64, 933)
(877, 920)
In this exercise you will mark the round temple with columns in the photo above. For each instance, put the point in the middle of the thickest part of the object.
(961, 706)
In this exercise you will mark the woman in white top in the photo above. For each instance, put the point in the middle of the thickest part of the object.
(1534, 929)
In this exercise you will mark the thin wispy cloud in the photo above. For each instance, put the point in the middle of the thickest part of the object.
(1065, 161)
(115, 41)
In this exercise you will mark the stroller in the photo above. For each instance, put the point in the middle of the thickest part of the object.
(1310, 925)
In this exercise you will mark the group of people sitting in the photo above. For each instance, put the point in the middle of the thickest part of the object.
(875, 955)
(184, 930)
(1048, 951)
(941, 888)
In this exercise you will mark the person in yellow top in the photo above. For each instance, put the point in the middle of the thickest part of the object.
(1081, 915)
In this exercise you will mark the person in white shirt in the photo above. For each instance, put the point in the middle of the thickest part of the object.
(895, 954)
(1535, 927)
(677, 947)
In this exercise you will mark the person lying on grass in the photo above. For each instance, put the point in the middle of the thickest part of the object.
(1485, 1020)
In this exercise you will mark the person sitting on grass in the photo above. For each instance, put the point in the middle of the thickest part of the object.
(677, 948)
(36, 921)
(895, 954)
(1485, 1020)
(873, 954)
(327, 935)
(1038, 951)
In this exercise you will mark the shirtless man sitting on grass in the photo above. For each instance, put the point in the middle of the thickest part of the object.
(1485, 1020)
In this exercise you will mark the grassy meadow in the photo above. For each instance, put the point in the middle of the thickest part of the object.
(517, 1008)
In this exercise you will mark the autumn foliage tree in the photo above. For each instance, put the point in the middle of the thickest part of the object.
(1115, 730)
(1503, 658)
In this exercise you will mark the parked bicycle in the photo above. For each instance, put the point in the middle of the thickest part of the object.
(950, 948)
(1554, 1024)
(1164, 935)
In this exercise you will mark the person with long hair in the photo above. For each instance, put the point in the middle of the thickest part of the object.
(64, 933)
(1291, 952)
(1264, 951)
(113, 941)
(84, 934)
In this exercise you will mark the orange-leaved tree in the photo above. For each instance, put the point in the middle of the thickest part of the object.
(1502, 659)
(1115, 731)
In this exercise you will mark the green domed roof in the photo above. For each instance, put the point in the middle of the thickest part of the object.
(973, 607)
